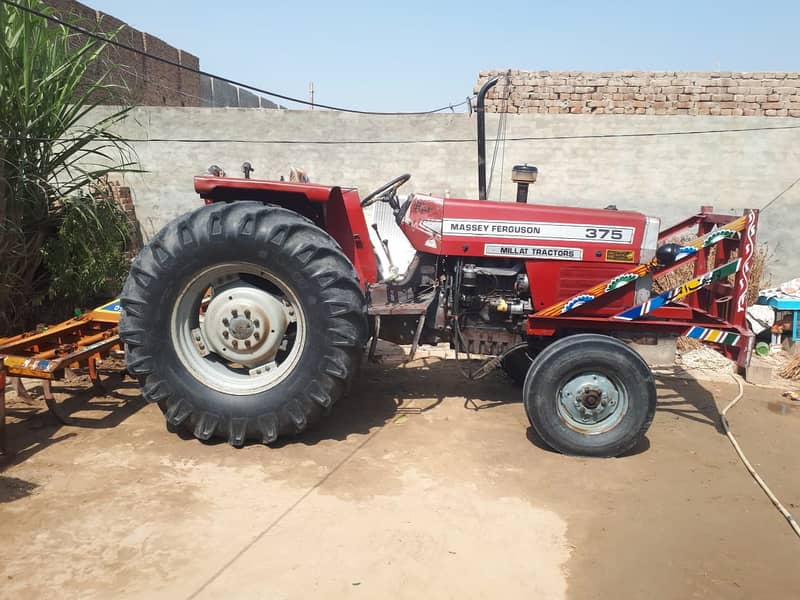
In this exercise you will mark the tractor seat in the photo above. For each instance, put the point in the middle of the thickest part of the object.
(400, 248)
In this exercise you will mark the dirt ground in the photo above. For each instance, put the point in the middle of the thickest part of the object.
(420, 485)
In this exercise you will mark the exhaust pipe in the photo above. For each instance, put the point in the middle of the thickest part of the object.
(480, 108)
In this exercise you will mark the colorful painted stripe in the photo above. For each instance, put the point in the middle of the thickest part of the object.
(640, 271)
(713, 335)
(747, 260)
(690, 287)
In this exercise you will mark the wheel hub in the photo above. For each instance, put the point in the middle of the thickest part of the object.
(590, 396)
(589, 402)
(241, 328)
(245, 324)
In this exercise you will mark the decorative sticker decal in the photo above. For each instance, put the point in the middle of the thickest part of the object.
(113, 307)
(715, 236)
(577, 301)
(620, 281)
(679, 292)
(625, 256)
(551, 252)
(563, 306)
(530, 230)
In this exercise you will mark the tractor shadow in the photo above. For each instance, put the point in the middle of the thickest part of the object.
(32, 428)
(389, 389)
(686, 398)
(383, 392)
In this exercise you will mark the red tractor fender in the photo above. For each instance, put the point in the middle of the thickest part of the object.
(335, 209)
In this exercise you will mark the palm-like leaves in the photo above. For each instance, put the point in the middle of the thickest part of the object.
(50, 81)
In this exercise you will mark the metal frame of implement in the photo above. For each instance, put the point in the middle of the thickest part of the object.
(48, 354)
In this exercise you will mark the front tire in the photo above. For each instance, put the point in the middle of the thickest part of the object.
(590, 395)
(243, 321)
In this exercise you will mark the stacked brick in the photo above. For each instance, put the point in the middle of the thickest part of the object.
(140, 80)
(123, 198)
(644, 93)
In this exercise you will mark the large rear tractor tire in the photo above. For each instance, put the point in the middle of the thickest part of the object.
(243, 321)
(590, 395)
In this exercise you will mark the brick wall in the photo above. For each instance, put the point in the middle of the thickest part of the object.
(644, 93)
(143, 81)
(122, 196)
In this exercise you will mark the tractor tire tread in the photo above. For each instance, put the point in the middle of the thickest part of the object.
(317, 256)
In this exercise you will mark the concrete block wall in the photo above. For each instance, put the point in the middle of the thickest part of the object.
(767, 94)
(221, 94)
(667, 176)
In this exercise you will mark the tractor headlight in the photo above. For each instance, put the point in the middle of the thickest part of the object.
(652, 227)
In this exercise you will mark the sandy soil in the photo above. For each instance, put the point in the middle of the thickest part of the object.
(419, 485)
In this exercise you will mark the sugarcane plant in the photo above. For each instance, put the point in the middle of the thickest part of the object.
(55, 156)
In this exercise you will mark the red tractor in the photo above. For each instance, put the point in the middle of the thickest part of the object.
(247, 318)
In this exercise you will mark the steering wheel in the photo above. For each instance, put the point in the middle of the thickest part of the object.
(387, 192)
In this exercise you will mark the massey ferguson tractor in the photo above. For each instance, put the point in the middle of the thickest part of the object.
(247, 318)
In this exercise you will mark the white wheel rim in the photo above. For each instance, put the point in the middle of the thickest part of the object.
(274, 329)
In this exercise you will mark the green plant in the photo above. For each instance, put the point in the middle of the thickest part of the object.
(86, 257)
(51, 148)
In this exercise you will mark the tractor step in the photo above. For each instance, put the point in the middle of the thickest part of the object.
(400, 308)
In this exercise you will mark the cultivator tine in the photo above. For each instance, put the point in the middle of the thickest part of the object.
(53, 406)
(20, 390)
(94, 376)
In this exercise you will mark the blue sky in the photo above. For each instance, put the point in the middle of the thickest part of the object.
(416, 55)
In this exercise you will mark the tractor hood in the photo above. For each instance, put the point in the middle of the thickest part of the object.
(462, 227)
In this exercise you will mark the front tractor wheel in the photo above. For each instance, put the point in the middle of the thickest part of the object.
(590, 395)
(242, 321)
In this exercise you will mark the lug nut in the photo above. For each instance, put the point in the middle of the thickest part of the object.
(234, 312)
(225, 322)
(247, 313)
(256, 335)
(256, 323)
(291, 312)
(247, 343)
(235, 344)
(225, 334)
(197, 337)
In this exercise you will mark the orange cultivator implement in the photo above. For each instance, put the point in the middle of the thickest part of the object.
(48, 354)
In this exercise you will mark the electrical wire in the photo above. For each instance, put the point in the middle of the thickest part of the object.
(503, 151)
(791, 185)
(726, 426)
(178, 65)
(470, 140)
(157, 84)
